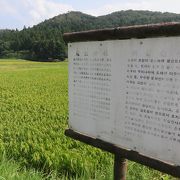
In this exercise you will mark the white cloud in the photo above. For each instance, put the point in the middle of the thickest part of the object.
(31, 12)
(6, 8)
(152, 5)
(40, 10)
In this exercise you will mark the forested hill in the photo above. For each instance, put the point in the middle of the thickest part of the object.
(44, 41)
(77, 21)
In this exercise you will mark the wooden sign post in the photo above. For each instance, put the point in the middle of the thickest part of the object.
(120, 167)
(124, 94)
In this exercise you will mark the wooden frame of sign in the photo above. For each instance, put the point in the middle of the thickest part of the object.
(124, 94)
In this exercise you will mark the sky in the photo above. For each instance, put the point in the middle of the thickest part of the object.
(19, 13)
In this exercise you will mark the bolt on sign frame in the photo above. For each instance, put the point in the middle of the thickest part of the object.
(124, 94)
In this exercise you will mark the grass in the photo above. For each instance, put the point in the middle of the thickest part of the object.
(10, 170)
(33, 118)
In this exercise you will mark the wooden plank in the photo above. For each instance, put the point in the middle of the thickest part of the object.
(140, 31)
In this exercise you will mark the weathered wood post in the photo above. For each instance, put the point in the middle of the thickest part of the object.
(120, 167)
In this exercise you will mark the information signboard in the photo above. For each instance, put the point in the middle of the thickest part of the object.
(127, 92)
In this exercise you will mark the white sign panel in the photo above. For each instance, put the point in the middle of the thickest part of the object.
(127, 92)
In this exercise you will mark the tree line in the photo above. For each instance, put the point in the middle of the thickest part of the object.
(44, 42)
(41, 45)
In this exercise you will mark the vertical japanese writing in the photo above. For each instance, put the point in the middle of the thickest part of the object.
(152, 98)
(91, 83)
